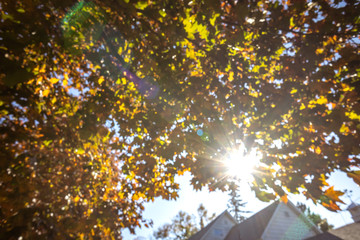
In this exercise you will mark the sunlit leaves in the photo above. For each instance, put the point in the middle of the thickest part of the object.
(104, 103)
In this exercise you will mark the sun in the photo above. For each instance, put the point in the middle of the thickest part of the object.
(240, 164)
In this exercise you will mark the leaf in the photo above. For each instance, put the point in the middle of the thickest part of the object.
(284, 199)
(293, 91)
(46, 92)
(355, 175)
(76, 199)
(54, 80)
(292, 24)
(80, 151)
(101, 80)
(322, 100)
(213, 19)
(231, 76)
(141, 5)
(162, 13)
(344, 129)
(331, 206)
(333, 195)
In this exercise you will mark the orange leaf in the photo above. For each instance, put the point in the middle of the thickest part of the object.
(333, 195)
(331, 206)
(284, 199)
(76, 199)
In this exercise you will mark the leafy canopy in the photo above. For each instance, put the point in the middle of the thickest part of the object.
(104, 102)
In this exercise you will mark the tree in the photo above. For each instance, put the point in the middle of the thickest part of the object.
(236, 204)
(103, 103)
(184, 225)
(320, 222)
(204, 218)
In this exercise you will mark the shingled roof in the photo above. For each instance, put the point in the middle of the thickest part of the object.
(253, 227)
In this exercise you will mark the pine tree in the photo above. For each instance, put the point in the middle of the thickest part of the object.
(236, 204)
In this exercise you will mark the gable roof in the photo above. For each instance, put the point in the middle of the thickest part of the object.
(253, 227)
(202, 232)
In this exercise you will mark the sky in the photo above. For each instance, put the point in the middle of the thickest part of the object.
(162, 211)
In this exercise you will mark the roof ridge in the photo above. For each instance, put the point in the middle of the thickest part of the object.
(254, 226)
(201, 233)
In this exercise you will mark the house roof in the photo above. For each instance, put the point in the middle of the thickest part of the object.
(324, 236)
(350, 231)
(352, 205)
(253, 227)
(202, 232)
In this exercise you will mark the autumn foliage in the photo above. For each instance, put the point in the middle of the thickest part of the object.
(104, 102)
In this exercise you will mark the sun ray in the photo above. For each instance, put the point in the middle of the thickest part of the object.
(241, 164)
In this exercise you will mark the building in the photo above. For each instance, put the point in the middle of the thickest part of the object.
(217, 229)
(277, 221)
(348, 232)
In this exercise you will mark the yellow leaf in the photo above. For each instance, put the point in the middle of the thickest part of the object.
(319, 51)
(46, 92)
(101, 80)
(213, 19)
(322, 100)
(76, 199)
(344, 129)
(323, 180)
(318, 150)
(162, 13)
(80, 151)
(65, 80)
(231, 76)
(293, 91)
(302, 106)
(54, 80)
(141, 5)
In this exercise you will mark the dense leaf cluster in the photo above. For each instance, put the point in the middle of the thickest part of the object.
(104, 102)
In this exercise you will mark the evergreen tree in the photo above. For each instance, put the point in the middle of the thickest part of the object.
(236, 204)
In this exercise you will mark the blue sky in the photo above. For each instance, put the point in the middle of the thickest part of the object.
(162, 211)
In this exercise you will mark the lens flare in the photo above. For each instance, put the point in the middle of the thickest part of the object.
(240, 164)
